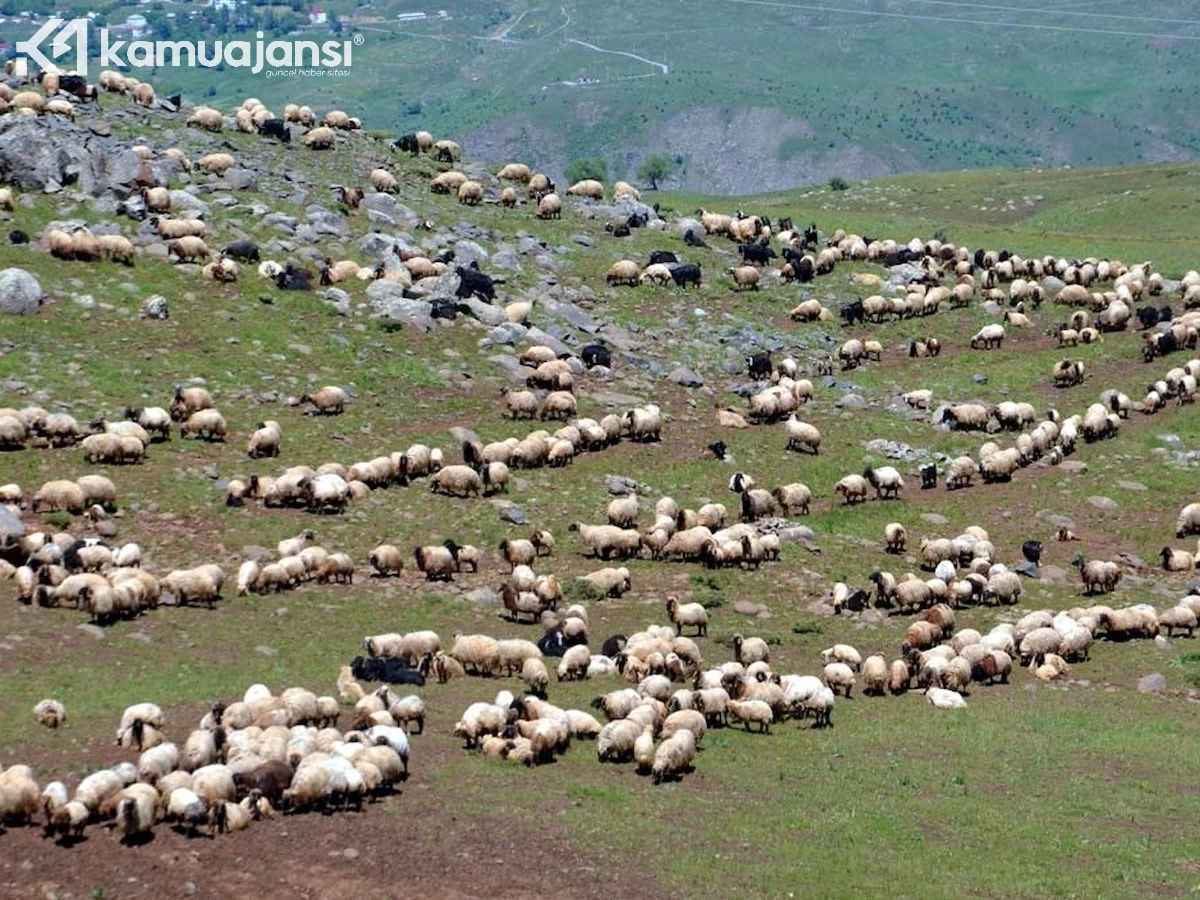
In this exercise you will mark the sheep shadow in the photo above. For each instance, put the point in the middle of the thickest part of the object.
(141, 839)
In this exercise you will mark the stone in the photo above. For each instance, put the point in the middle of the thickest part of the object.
(514, 515)
(934, 518)
(467, 252)
(746, 608)
(583, 240)
(851, 401)
(265, 650)
(20, 292)
(91, 630)
(1103, 503)
(619, 485)
(1152, 683)
(155, 307)
(685, 377)
(1027, 568)
(1161, 643)
(239, 179)
(1131, 485)
(1054, 519)
(1074, 466)
(338, 299)
(482, 596)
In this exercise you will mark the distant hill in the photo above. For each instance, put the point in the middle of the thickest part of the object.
(754, 95)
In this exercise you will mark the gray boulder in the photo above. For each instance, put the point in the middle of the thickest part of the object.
(20, 293)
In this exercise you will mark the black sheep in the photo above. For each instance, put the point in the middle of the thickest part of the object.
(929, 476)
(407, 143)
(447, 256)
(662, 256)
(242, 251)
(596, 355)
(276, 128)
(811, 235)
(1148, 316)
(294, 278)
(17, 236)
(756, 254)
(78, 85)
(717, 449)
(692, 239)
(552, 643)
(613, 645)
(1032, 551)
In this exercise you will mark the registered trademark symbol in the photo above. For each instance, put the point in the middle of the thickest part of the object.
(359, 40)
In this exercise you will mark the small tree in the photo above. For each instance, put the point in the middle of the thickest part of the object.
(838, 184)
(655, 169)
(593, 167)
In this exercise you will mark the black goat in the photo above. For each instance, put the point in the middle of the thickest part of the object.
(928, 476)
(387, 669)
(853, 312)
(662, 256)
(759, 365)
(474, 282)
(613, 645)
(1032, 551)
(596, 355)
(685, 274)
(692, 239)
(756, 254)
(717, 449)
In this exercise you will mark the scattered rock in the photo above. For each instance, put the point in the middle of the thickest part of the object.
(746, 608)
(92, 630)
(934, 518)
(583, 240)
(1103, 503)
(20, 293)
(1026, 568)
(514, 515)
(1074, 466)
(1161, 643)
(1054, 519)
(619, 485)
(685, 377)
(265, 650)
(979, 379)
(155, 307)
(851, 401)
(482, 596)
(1152, 684)
(1053, 574)
(1131, 485)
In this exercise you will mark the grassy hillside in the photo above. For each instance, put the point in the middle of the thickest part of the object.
(1036, 789)
(762, 95)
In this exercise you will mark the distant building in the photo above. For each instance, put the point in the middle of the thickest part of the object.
(136, 25)
(230, 5)
(410, 16)
(317, 16)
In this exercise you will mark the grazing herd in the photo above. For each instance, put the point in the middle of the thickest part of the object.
(266, 754)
